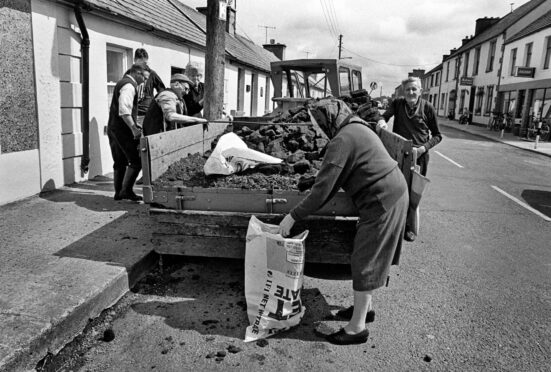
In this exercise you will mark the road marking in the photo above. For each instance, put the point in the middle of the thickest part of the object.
(522, 204)
(448, 159)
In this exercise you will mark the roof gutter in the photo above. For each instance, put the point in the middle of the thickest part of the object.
(85, 112)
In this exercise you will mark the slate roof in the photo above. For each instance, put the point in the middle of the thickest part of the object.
(185, 23)
(437, 68)
(501, 26)
(539, 24)
(238, 47)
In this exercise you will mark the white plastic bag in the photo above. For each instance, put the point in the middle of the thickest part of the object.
(274, 268)
(232, 155)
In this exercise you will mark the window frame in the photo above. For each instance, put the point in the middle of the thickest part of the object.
(528, 49)
(547, 55)
(491, 56)
(476, 63)
(513, 60)
(466, 65)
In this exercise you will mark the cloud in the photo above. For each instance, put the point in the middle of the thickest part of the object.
(380, 35)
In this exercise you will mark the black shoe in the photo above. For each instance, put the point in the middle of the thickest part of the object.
(343, 338)
(129, 196)
(117, 196)
(410, 236)
(346, 314)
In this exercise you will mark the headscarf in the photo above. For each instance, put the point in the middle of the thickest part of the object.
(330, 114)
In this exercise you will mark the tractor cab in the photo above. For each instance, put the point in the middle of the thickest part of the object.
(297, 81)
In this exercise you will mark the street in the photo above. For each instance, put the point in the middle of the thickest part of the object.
(472, 293)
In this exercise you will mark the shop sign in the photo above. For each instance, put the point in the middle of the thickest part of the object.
(525, 72)
(466, 81)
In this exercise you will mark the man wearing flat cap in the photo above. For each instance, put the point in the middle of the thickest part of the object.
(168, 110)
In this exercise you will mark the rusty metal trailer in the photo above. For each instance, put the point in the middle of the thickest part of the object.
(212, 222)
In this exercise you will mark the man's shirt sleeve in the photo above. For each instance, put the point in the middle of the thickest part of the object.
(126, 99)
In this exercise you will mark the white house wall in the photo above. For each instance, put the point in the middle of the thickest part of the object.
(56, 40)
(538, 55)
(48, 97)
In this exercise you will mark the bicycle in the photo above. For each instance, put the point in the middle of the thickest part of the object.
(533, 131)
(465, 116)
(496, 121)
(508, 122)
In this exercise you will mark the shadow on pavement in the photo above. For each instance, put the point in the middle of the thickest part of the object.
(86, 195)
(208, 296)
(539, 200)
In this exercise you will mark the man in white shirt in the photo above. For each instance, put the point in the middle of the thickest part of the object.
(124, 135)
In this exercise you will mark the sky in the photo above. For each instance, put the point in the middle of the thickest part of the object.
(388, 38)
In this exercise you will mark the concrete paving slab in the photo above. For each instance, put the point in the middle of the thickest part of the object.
(66, 256)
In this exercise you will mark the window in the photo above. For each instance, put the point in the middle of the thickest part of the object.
(513, 61)
(356, 80)
(547, 52)
(344, 80)
(491, 56)
(528, 54)
(432, 80)
(448, 71)
(466, 66)
(436, 80)
(442, 100)
(476, 61)
(117, 64)
(479, 100)
(456, 73)
(488, 108)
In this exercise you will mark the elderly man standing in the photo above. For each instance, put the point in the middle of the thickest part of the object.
(124, 134)
(415, 119)
(194, 98)
(168, 110)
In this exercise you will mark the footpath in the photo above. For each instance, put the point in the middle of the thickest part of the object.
(69, 254)
(66, 256)
(543, 148)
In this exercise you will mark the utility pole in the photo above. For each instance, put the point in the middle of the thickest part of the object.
(266, 29)
(214, 61)
(512, 7)
(307, 53)
(340, 46)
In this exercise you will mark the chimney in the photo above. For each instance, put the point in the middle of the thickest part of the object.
(444, 57)
(276, 48)
(452, 51)
(482, 24)
(465, 40)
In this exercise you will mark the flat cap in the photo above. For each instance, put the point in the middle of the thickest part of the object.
(180, 77)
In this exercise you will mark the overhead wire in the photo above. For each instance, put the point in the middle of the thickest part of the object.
(333, 13)
(389, 64)
(330, 25)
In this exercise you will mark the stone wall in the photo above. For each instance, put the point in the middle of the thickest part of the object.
(18, 116)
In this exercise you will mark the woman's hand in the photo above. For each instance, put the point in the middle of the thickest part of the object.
(286, 225)
(382, 124)
(421, 150)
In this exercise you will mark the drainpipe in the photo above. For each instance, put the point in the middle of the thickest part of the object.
(85, 113)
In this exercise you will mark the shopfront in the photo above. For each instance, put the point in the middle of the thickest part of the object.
(528, 102)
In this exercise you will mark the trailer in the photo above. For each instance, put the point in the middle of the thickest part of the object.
(212, 222)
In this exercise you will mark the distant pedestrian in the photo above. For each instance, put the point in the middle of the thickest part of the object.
(415, 119)
(124, 134)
